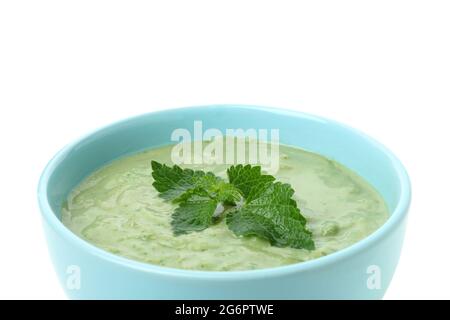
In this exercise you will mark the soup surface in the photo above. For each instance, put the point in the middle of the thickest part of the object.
(117, 209)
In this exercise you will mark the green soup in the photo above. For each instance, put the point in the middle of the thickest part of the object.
(117, 209)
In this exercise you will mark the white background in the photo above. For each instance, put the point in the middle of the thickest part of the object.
(67, 67)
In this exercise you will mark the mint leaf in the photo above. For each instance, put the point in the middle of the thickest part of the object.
(253, 203)
(274, 216)
(201, 196)
(248, 179)
(174, 182)
(269, 211)
(227, 193)
(194, 214)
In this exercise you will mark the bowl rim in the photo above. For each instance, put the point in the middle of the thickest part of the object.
(398, 214)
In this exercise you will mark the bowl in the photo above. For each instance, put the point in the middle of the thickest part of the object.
(360, 271)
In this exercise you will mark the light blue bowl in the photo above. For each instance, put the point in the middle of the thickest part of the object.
(361, 271)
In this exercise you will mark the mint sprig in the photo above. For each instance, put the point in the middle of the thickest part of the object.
(253, 203)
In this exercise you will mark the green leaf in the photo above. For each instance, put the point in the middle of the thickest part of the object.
(174, 183)
(273, 216)
(194, 214)
(269, 211)
(248, 179)
(253, 203)
(228, 194)
(201, 196)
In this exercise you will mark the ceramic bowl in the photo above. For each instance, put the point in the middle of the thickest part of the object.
(361, 271)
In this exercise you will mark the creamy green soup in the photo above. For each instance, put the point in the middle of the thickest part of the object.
(118, 209)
